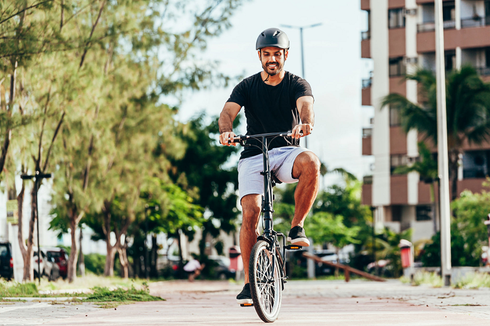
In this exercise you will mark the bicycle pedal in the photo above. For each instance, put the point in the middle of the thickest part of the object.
(293, 247)
(246, 305)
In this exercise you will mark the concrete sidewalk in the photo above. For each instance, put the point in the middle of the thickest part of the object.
(304, 303)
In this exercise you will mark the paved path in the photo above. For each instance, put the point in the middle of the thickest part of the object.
(304, 303)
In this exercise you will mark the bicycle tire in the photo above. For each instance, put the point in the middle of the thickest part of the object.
(266, 287)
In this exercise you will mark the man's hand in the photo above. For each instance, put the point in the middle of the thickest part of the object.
(226, 138)
(302, 130)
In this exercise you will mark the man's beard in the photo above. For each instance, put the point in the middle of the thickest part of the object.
(275, 72)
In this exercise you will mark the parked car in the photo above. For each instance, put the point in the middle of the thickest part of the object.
(48, 266)
(60, 258)
(6, 261)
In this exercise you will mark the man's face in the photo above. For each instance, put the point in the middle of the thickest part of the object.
(273, 59)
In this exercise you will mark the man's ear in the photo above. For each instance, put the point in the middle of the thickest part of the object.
(286, 53)
(258, 52)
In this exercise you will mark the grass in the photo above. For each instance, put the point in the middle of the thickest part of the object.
(107, 298)
(105, 292)
(431, 279)
(90, 281)
(470, 281)
(473, 281)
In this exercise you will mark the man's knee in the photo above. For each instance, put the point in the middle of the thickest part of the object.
(251, 211)
(306, 163)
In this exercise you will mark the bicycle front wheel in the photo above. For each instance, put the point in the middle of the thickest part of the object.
(265, 282)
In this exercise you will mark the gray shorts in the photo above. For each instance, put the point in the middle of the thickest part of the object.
(281, 161)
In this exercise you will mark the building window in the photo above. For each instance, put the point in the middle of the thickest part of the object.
(476, 164)
(424, 213)
(397, 67)
(396, 18)
(394, 117)
(396, 161)
(448, 11)
(450, 60)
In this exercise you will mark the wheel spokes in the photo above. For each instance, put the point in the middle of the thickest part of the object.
(265, 280)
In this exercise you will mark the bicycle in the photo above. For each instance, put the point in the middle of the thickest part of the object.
(267, 265)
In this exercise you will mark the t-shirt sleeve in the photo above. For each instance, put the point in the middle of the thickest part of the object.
(239, 94)
(302, 88)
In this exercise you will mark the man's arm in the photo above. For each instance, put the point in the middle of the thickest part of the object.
(307, 116)
(225, 122)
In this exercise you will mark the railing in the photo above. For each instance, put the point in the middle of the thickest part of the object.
(367, 82)
(367, 132)
(431, 26)
(474, 173)
(365, 35)
(476, 21)
(397, 70)
(483, 71)
(367, 179)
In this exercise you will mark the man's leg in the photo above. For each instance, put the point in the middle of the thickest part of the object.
(306, 168)
(251, 205)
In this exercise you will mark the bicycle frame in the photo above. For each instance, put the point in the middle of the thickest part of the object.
(267, 210)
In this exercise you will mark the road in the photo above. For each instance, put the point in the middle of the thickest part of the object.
(304, 302)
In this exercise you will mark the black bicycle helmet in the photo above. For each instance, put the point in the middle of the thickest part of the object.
(272, 37)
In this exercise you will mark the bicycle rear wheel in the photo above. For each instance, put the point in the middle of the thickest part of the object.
(265, 284)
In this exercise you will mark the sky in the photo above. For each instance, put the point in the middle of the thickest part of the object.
(333, 67)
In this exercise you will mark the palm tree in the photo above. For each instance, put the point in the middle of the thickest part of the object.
(468, 112)
(427, 169)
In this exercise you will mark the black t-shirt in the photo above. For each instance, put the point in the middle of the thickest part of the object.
(270, 108)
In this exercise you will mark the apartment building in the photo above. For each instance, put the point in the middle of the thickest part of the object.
(400, 39)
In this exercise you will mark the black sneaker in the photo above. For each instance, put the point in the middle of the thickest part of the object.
(298, 237)
(245, 297)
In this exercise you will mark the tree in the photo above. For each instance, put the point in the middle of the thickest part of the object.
(325, 227)
(201, 169)
(468, 233)
(426, 167)
(468, 112)
(131, 60)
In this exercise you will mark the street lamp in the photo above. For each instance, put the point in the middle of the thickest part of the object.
(442, 148)
(37, 180)
(147, 207)
(302, 54)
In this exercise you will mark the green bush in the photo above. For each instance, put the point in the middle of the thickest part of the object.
(95, 263)
(18, 290)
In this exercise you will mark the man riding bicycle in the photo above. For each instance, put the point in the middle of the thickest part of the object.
(274, 100)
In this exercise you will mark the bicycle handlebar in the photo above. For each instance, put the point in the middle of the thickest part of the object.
(240, 138)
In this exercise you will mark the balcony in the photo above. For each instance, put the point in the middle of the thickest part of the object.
(366, 91)
(365, 5)
(475, 22)
(367, 194)
(367, 147)
(366, 48)
(399, 189)
(431, 26)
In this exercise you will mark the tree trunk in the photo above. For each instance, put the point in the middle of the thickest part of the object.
(154, 256)
(123, 259)
(453, 173)
(28, 269)
(20, 234)
(72, 260)
(81, 260)
(109, 258)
